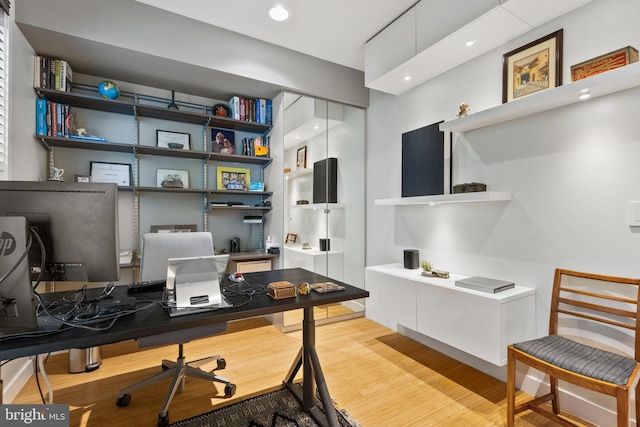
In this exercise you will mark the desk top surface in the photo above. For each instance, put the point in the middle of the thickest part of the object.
(156, 319)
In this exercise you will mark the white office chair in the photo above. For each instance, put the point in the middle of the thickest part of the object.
(157, 248)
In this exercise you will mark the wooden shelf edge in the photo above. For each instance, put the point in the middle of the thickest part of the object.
(480, 196)
(607, 83)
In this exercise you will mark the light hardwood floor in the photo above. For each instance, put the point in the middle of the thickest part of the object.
(381, 377)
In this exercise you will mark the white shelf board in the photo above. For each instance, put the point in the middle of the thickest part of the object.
(606, 83)
(480, 196)
(316, 206)
(297, 173)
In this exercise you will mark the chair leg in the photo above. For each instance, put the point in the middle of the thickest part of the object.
(622, 402)
(555, 398)
(511, 388)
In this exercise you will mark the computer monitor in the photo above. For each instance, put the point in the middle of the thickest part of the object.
(77, 222)
(17, 309)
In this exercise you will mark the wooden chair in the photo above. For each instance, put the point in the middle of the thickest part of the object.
(593, 318)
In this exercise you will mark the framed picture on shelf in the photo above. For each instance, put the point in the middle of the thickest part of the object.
(291, 238)
(185, 228)
(118, 173)
(230, 178)
(533, 67)
(82, 178)
(223, 141)
(301, 158)
(172, 178)
(171, 139)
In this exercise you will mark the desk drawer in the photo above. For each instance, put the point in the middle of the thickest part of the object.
(250, 266)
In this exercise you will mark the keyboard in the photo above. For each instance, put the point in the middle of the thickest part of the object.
(148, 285)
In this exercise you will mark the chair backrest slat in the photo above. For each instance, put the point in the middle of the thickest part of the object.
(582, 301)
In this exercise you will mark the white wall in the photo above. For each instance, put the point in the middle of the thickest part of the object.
(571, 171)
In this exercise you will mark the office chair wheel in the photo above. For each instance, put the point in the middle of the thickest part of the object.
(163, 421)
(164, 367)
(222, 363)
(123, 401)
(229, 390)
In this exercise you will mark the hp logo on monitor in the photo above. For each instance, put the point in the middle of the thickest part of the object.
(7, 244)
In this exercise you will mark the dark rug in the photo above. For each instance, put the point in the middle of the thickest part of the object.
(274, 409)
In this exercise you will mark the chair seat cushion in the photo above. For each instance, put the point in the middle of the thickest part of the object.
(579, 358)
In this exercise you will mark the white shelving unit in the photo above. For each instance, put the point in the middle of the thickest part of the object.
(480, 196)
(613, 81)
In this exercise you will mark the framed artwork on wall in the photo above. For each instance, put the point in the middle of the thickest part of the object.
(533, 67)
(301, 159)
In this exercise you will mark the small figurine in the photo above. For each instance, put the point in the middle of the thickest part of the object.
(81, 131)
(464, 110)
(56, 174)
(304, 289)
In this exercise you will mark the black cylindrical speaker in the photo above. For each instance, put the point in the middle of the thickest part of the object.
(325, 245)
(411, 259)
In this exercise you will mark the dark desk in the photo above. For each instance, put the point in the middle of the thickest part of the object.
(155, 320)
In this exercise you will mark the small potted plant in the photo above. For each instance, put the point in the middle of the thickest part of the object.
(306, 245)
(426, 267)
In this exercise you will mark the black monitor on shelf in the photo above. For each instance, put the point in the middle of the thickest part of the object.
(77, 223)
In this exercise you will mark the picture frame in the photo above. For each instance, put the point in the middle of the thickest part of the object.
(532, 68)
(291, 238)
(106, 172)
(230, 178)
(82, 178)
(183, 228)
(167, 139)
(301, 158)
(172, 178)
(223, 141)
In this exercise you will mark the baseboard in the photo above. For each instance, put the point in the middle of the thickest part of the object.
(15, 375)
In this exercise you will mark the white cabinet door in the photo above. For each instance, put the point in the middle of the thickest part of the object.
(391, 297)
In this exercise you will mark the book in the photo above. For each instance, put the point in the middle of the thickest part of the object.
(268, 112)
(234, 105)
(484, 284)
(41, 117)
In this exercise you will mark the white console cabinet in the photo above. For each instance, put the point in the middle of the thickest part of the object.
(475, 322)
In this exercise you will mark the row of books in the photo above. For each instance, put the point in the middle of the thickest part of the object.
(257, 110)
(50, 73)
(258, 146)
(54, 119)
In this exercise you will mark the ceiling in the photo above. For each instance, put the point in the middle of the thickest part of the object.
(332, 30)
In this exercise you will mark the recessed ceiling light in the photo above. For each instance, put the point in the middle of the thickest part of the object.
(407, 78)
(278, 13)
(470, 43)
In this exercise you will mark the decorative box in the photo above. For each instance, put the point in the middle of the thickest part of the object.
(617, 58)
(469, 187)
(281, 290)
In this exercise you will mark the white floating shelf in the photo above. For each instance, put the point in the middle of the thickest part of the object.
(480, 196)
(606, 83)
(297, 173)
(317, 206)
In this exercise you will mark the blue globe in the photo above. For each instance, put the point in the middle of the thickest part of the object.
(108, 89)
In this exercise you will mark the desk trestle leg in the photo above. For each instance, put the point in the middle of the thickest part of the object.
(307, 358)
